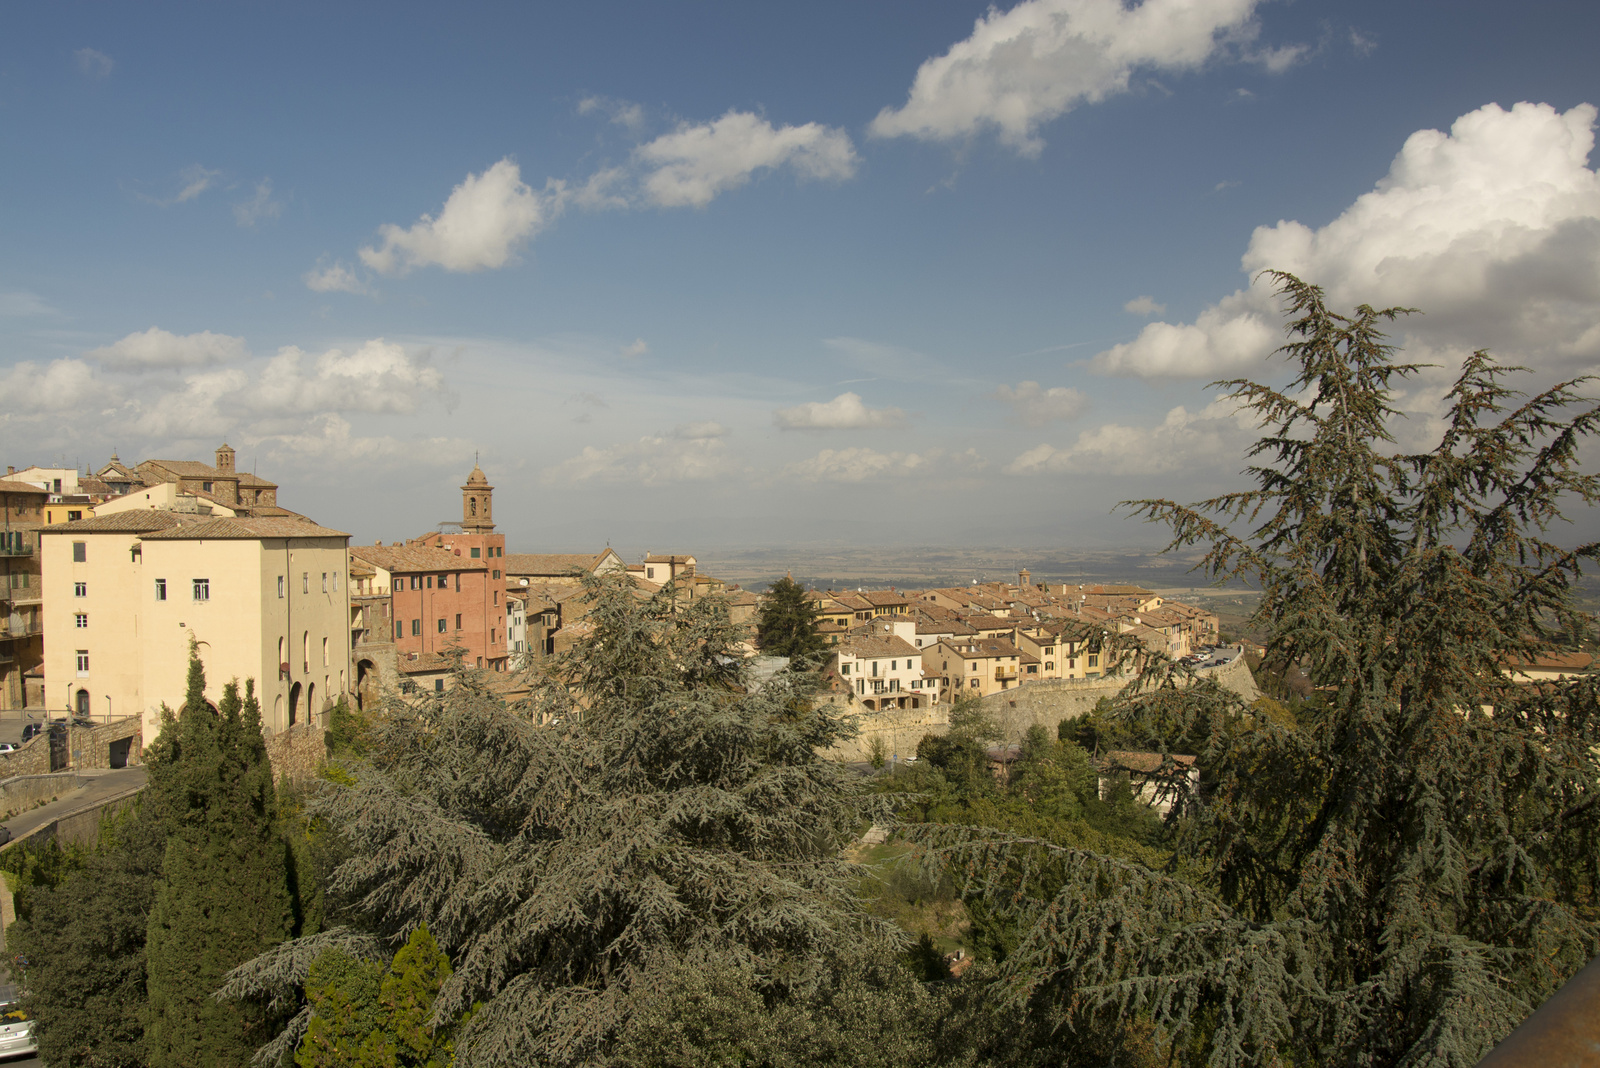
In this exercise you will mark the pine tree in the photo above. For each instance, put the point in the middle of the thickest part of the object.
(788, 622)
(676, 818)
(85, 947)
(223, 896)
(1404, 873)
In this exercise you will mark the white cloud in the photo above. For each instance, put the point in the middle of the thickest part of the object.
(621, 112)
(260, 205)
(24, 305)
(1492, 229)
(637, 348)
(485, 220)
(336, 278)
(331, 437)
(62, 387)
(1144, 306)
(1024, 67)
(92, 63)
(1183, 441)
(196, 180)
(157, 349)
(379, 376)
(844, 412)
(861, 465)
(688, 454)
(1037, 406)
(695, 163)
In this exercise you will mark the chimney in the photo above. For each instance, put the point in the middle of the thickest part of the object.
(10, 470)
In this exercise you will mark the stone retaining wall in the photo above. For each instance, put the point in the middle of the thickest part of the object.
(22, 792)
(93, 747)
(295, 753)
(32, 758)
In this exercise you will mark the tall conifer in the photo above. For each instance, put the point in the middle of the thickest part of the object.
(223, 896)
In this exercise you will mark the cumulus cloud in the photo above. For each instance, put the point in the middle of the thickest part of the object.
(258, 207)
(1024, 67)
(1184, 440)
(637, 348)
(1492, 229)
(331, 437)
(59, 387)
(1037, 406)
(696, 162)
(378, 376)
(93, 63)
(620, 112)
(862, 465)
(158, 349)
(1144, 306)
(335, 278)
(844, 412)
(688, 454)
(482, 224)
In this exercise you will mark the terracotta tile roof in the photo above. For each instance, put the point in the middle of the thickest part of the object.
(985, 648)
(1144, 763)
(186, 468)
(870, 646)
(406, 560)
(134, 521)
(11, 485)
(884, 598)
(670, 559)
(990, 622)
(248, 478)
(216, 529)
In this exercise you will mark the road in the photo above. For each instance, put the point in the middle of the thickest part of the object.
(99, 784)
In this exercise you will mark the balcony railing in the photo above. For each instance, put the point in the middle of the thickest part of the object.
(1004, 673)
(10, 631)
(12, 549)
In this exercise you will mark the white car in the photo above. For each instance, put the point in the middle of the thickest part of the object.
(16, 1032)
(8, 747)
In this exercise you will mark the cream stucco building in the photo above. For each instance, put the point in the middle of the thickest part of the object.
(266, 599)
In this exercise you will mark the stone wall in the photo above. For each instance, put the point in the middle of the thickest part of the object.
(98, 746)
(1046, 702)
(23, 792)
(33, 758)
(296, 753)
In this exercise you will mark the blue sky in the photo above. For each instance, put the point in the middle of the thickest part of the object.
(706, 275)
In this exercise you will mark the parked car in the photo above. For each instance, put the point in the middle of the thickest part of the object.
(16, 1030)
(31, 729)
(6, 747)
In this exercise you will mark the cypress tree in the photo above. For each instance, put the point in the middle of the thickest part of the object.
(223, 896)
(788, 622)
(1405, 869)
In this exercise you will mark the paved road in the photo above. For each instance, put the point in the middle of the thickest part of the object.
(99, 785)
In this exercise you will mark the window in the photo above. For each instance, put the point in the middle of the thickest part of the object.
(438, 686)
(1072, 663)
(305, 649)
(649, 572)
(81, 620)
(458, 582)
(496, 596)
(324, 655)
(441, 626)
(399, 628)
(83, 662)
(974, 684)
(458, 621)
(416, 582)
(205, 487)
(80, 552)
(305, 582)
(202, 589)
(416, 627)
(476, 554)
(844, 669)
(497, 574)
(1049, 665)
(336, 582)
(429, 582)
(444, 581)
(72, 516)
(161, 589)
(280, 586)
(324, 582)
(1094, 659)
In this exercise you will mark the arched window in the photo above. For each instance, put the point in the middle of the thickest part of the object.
(305, 649)
(472, 506)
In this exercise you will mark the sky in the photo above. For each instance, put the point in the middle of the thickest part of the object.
(684, 277)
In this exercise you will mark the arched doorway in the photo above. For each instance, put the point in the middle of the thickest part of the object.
(294, 703)
(366, 682)
(311, 702)
(81, 706)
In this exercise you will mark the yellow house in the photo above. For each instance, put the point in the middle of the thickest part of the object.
(266, 598)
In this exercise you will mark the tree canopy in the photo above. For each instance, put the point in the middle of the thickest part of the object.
(1406, 868)
(788, 622)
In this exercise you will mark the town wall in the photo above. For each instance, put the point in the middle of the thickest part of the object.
(1046, 702)
(22, 792)
(296, 753)
(30, 758)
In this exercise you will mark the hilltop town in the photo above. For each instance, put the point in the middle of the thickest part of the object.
(109, 574)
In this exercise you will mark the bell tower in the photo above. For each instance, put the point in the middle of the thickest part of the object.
(477, 503)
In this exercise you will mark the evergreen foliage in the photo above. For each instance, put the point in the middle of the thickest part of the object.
(223, 896)
(1406, 870)
(84, 944)
(366, 1016)
(787, 624)
(672, 821)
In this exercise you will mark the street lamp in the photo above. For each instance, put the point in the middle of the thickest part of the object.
(108, 708)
